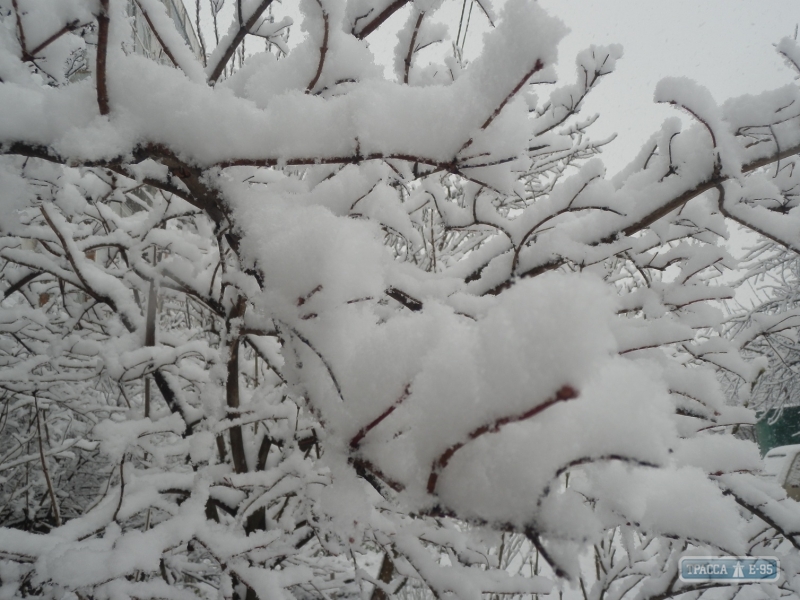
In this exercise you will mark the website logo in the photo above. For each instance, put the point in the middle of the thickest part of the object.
(730, 569)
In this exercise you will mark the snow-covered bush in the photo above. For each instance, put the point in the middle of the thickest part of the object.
(297, 330)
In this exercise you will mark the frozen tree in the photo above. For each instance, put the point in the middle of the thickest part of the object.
(288, 328)
(766, 328)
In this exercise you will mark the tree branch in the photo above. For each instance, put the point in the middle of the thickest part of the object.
(323, 51)
(379, 19)
(102, 52)
(72, 26)
(356, 441)
(156, 33)
(217, 68)
(565, 393)
(410, 55)
(538, 66)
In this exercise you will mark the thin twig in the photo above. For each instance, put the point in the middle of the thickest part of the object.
(566, 392)
(50, 490)
(410, 54)
(380, 19)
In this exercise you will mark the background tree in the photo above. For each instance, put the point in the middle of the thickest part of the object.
(292, 329)
(766, 329)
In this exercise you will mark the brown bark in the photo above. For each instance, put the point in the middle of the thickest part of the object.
(232, 386)
(102, 52)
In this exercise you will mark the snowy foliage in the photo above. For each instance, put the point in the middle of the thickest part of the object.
(766, 329)
(286, 328)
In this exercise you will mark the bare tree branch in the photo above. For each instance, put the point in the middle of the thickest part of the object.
(565, 393)
(102, 52)
(215, 70)
(379, 19)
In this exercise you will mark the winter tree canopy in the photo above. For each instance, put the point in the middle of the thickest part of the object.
(297, 329)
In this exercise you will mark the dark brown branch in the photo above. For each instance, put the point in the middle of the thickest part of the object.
(356, 441)
(790, 60)
(379, 19)
(566, 209)
(756, 511)
(45, 470)
(702, 187)
(485, 12)
(698, 117)
(605, 458)
(533, 537)
(20, 29)
(323, 51)
(232, 387)
(384, 576)
(400, 296)
(370, 473)
(265, 358)
(72, 26)
(308, 343)
(160, 39)
(102, 52)
(538, 66)
(410, 54)
(150, 337)
(566, 392)
(21, 283)
(727, 214)
(237, 39)
(170, 398)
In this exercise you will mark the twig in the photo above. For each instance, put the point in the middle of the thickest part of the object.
(356, 441)
(538, 66)
(410, 54)
(50, 490)
(305, 340)
(400, 296)
(380, 19)
(72, 26)
(566, 392)
(323, 51)
(102, 51)
(154, 29)
(223, 59)
(121, 486)
(20, 29)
